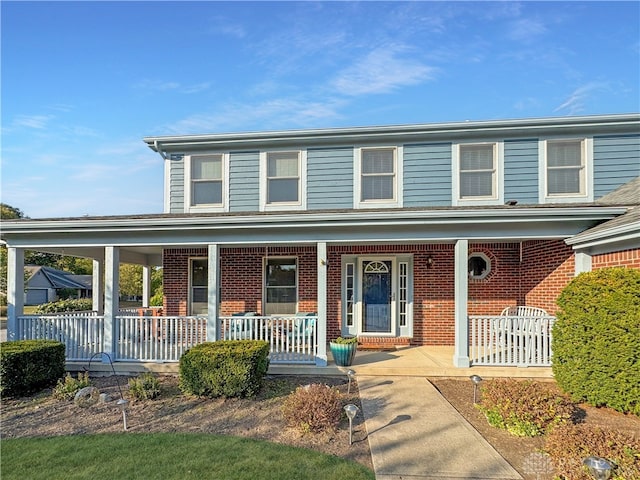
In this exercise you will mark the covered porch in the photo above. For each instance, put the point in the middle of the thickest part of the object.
(419, 247)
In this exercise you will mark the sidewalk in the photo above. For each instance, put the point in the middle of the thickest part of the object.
(414, 433)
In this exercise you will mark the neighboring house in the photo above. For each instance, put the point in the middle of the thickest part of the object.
(44, 284)
(401, 235)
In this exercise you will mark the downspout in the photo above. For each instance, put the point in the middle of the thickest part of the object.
(166, 186)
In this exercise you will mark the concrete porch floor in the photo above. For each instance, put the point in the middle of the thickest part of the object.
(407, 361)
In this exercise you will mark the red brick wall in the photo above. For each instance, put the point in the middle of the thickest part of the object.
(548, 266)
(241, 271)
(625, 258)
(531, 274)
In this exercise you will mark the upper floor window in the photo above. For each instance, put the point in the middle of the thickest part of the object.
(477, 170)
(565, 168)
(206, 182)
(284, 175)
(378, 173)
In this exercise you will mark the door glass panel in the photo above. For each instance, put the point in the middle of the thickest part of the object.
(376, 296)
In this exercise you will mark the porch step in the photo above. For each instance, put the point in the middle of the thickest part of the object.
(382, 343)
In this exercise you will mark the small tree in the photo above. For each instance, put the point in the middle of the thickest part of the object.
(596, 339)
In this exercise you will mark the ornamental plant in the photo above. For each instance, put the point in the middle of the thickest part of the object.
(523, 407)
(596, 339)
(313, 408)
(346, 340)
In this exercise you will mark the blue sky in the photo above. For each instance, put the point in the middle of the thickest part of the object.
(83, 82)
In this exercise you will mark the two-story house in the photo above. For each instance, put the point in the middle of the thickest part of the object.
(400, 235)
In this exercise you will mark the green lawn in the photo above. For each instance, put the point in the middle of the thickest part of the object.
(168, 456)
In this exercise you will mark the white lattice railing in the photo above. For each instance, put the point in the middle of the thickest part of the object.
(81, 332)
(157, 339)
(511, 340)
(291, 339)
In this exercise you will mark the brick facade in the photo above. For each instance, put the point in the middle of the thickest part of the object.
(527, 273)
(626, 258)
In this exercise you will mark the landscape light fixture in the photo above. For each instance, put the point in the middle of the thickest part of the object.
(600, 468)
(476, 379)
(351, 411)
(350, 374)
(123, 403)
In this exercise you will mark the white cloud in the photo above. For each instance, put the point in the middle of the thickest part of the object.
(575, 103)
(526, 29)
(167, 86)
(33, 121)
(381, 71)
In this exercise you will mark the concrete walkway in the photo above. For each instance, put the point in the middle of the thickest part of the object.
(415, 434)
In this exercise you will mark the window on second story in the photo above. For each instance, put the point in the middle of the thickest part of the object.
(206, 182)
(477, 173)
(283, 185)
(378, 176)
(565, 170)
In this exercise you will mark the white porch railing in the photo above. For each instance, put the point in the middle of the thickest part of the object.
(157, 339)
(291, 339)
(511, 340)
(81, 332)
(165, 339)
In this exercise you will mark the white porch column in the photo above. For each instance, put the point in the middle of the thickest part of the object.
(583, 262)
(461, 346)
(97, 278)
(213, 293)
(146, 285)
(321, 252)
(111, 298)
(15, 290)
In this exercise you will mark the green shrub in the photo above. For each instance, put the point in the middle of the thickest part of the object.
(523, 407)
(144, 387)
(596, 339)
(232, 368)
(27, 366)
(313, 408)
(66, 389)
(569, 445)
(69, 305)
(346, 340)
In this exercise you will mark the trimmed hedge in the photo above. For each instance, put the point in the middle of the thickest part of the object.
(68, 305)
(228, 368)
(596, 339)
(27, 366)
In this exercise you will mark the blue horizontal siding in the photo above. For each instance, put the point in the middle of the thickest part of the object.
(329, 178)
(616, 161)
(521, 171)
(244, 182)
(427, 175)
(176, 183)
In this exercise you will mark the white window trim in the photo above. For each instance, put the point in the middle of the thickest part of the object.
(487, 261)
(587, 151)
(398, 179)
(224, 206)
(264, 278)
(498, 197)
(301, 204)
(191, 286)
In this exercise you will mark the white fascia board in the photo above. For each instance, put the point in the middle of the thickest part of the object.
(375, 133)
(358, 218)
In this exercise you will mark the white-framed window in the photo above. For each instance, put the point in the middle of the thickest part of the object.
(280, 285)
(479, 266)
(283, 180)
(198, 286)
(206, 182)
(378, 174)
(478, 173)
(566, 167)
